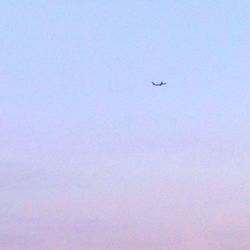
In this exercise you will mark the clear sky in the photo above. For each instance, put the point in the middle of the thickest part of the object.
(93, 157)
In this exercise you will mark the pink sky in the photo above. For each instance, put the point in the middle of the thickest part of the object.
(93, 157)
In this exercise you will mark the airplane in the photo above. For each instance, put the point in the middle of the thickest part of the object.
(159, 84)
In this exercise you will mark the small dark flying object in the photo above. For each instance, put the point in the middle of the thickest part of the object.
(159, 84)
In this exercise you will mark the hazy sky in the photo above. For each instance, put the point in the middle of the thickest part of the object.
(93, 157)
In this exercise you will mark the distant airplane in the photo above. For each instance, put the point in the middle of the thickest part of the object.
(159, 84)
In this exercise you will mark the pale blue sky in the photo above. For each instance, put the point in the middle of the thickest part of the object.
(87, 140)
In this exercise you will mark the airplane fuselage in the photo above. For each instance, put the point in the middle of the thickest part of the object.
(159, 84)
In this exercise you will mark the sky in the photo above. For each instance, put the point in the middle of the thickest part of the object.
(93, 157)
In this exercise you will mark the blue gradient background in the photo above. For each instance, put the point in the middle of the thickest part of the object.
(92, 156)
